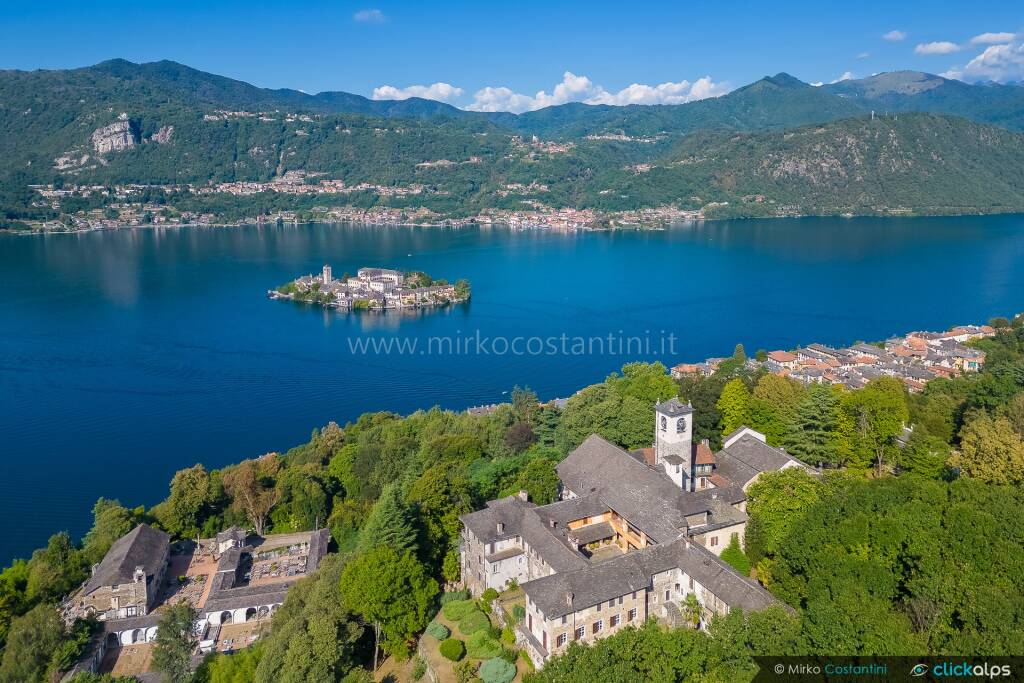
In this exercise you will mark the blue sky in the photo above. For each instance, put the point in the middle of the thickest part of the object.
(526, 54)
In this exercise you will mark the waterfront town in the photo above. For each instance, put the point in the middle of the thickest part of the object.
(132, 205)
(372, 289)
(914, 358)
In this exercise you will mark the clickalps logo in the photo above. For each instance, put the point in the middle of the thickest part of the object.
(962, 670)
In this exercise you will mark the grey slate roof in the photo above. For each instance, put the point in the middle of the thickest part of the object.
(645, 496)
(561, 594)
(521, 518)
(674, 407)
(747, 457)
(592, 532)
(142, 546)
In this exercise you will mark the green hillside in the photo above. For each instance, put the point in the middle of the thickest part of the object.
(775, 147)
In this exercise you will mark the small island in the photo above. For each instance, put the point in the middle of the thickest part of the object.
(373, 289)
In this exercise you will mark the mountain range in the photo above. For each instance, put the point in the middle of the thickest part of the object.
(905, 142)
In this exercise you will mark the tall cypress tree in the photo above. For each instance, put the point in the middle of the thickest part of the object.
(389, 524)
(813, 436)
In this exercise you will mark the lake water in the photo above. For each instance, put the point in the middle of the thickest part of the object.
(126, 355)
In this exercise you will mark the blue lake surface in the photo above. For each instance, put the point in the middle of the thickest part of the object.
(126, 355)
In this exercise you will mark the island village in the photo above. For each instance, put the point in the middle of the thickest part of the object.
(373, 289)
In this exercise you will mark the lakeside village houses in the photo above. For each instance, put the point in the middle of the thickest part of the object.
(631, 536)
(378, 288)
(915, 359)
(235, 581)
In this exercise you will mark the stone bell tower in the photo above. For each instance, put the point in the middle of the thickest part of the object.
(673, 440)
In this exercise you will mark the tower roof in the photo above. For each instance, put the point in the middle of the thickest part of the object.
(673, 407)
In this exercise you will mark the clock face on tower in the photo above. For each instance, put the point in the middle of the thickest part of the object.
(680, 425)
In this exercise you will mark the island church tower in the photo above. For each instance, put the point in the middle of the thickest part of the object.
(673, 440)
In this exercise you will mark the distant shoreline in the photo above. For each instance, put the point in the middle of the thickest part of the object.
(505, 224)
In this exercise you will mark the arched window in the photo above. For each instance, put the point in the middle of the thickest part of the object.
(664, 423)
(680, 425)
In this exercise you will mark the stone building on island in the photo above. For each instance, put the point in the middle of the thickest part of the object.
(631, 537)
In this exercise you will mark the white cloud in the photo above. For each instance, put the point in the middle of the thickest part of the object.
(996, 63)
(940, 47)
(369, 16)
(863, 55)
(992, 38)
(894, 36)
(847, 76)
(442, 92)
(575, 88)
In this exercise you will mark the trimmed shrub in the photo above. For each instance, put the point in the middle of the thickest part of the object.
(480, 645)
(473, 622)
(419, 668)
(497, 670)
(454, 596)
(518, 613)
(457, 610)
(436, 629)
(489, 595)
(452, 649)
(734, 555)
(508, 636)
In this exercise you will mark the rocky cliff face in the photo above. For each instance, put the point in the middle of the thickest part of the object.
(163, 136)
(113, 138)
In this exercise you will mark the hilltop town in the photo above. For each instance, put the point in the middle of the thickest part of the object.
(373, 289)
(914, 358)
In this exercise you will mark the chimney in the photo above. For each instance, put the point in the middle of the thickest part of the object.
(140, 573)
(706, 442)
(568, 599)
(523, 496)
(501, 527)
(554, 524)
(686, 543)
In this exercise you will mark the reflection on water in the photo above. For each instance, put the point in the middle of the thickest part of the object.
(159, 346)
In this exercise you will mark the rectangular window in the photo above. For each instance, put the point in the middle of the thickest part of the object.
(560, 640)
(614, 621)
(611, 603)
(599, 606)
(580, 632)
(631, 615)
(634, 595)
(564, 617)
(620, 599)
(691, 583)
(666, 595)
(529, 622)
(598, 625)
(714, 541)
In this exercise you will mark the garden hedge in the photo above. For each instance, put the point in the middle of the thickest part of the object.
(455, 611)
(481, 645)
(473, 622)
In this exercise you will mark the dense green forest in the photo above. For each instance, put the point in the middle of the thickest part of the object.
(905, 545)
(775, 147)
